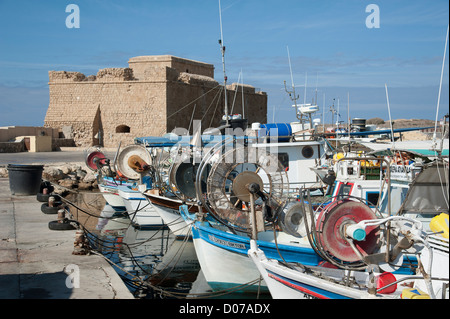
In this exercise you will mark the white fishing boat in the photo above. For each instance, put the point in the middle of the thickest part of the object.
(304, 282)
(362, 252)
(168, 209)
(112, 197)
(140, 210)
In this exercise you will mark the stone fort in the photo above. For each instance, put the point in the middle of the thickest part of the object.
(154, 95)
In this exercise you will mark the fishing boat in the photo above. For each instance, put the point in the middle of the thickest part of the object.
(223, 254)
(168, 209)
(140, 210)
(111, 195)
(360, 249)
(121, 190)
(96, 161)
(304, 282)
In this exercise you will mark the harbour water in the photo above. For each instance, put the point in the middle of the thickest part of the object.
(153, 263)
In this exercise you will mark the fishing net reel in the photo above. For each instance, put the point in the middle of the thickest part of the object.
(95, 159)
(178, 171)
(232, 171)
(348, 234)
(133, 162)
(331, 236)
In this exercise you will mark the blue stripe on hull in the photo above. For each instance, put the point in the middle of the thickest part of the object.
(241, 245)
(309, 290)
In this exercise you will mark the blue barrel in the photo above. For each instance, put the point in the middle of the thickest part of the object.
(281, 130)
(24, 179)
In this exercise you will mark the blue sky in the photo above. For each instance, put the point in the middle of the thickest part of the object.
(329, 44)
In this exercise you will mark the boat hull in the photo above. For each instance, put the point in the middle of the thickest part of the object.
(288, 283)
(168, 210)
(225, 262)
(112, 197)
(140, 209)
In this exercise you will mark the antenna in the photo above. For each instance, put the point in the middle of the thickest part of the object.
(333, 111)
(222, 49)
(290, 68)
(317, 81)
(293, 86)
(390, 120)
(242, 86)
(323, 114)
(306, 80)
(439, 94)
(338, 115)
(348, 114)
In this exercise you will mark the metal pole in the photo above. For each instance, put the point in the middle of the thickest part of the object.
(253, 217)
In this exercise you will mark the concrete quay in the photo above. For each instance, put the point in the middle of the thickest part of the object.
(37, 263)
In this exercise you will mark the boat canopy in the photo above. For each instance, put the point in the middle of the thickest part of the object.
(386, 131)
(169, 140)
(429, 191)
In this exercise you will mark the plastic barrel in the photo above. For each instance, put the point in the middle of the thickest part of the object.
(281, 131)
(24, 179)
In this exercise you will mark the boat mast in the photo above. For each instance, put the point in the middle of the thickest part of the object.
(222, 49)
(390, 119)
(439, 97)
(295, 98)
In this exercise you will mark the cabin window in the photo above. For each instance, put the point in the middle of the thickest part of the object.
(345, 190)
(123, 129)
(307, 152)
(372, 198)
(283, 158)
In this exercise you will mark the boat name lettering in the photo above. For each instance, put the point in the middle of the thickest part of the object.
(400, 169)
(404, 172)
(225, 242)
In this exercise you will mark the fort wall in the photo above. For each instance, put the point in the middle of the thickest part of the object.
(151, 97)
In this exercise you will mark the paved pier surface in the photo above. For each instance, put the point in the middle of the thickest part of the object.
(35, 262)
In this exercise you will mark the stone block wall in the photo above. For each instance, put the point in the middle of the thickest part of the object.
(141, 64)
(12, 147)
(204, 98)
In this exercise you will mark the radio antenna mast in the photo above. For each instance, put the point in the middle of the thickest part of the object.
(292, 94)
(222, 49)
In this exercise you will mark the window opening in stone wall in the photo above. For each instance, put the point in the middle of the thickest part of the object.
(123, 129)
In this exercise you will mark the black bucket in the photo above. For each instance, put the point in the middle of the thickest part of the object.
(24, 179)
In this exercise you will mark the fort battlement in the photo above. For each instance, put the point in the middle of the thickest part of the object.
(103, 75)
